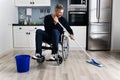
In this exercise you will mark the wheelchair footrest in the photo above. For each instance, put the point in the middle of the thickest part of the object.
(51, 60)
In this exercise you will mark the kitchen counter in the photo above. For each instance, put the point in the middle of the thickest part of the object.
(27, 25)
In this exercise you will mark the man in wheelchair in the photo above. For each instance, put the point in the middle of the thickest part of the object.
(53, 31)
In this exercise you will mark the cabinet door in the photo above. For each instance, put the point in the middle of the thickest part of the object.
(21, 37)
(32, 31)
(32, 2)
(24, 2)
(24, 36)
(42, 2)
(80, 37)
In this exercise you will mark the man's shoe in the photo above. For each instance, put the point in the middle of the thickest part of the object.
(37, 56)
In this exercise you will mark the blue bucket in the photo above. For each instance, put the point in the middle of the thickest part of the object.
(22, 63)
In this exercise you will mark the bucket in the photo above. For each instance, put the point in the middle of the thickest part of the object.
(22, 63)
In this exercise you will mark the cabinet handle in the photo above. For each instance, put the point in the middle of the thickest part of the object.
(20, 28)
(33, 2)
(29, 33)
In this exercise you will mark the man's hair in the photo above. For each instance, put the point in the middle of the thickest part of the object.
(59, 6)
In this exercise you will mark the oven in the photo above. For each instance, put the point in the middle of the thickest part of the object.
(77, 18)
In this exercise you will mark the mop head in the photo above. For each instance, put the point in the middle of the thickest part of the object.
(92, 61)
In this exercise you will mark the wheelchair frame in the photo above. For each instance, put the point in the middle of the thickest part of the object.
(65, 46)
(65, 49)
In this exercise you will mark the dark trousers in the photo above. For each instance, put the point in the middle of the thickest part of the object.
(53, 38)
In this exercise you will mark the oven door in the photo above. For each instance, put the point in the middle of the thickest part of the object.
(77, 18)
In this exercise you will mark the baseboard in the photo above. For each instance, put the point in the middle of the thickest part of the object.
(115, 51)
(7, 52)
(21, 48)
(71, 48)
(75, 48)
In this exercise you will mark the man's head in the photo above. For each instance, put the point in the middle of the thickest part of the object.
(59, 9)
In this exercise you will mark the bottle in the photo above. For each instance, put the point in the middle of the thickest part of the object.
(21, 21)
(25, 22)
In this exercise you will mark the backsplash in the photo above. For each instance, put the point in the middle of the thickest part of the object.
(37, 16)
(38, 13)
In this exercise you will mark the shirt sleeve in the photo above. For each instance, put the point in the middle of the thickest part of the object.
(47, 23)
(65, 24)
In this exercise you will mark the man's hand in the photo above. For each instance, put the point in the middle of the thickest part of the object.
(71, 36)
(56, 20)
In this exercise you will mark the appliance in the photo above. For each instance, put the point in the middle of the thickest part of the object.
(78, 18)
(99, 29)
(77, 12)
(77, 3)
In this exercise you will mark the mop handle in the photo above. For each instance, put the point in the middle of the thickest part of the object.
(61, 25)
(76, 42)
(82, 49)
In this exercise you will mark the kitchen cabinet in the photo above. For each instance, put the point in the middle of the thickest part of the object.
(24, 36)
(80, 37)
(42, 2)
(32, 3)
(23, 2)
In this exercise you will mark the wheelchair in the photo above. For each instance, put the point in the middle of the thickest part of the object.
(62, 54)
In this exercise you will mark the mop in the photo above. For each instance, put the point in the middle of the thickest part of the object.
(92, 60)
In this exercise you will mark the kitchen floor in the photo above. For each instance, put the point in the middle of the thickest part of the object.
(74, 68)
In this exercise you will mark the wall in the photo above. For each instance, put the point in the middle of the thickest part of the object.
(8, 15)
(38, 12)
(115, 43)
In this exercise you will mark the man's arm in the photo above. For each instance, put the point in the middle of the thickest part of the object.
(65, 24)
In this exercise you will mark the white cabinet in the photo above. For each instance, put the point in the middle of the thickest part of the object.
(80, 37)
(42, 2)
(23, 2)
(24, 36)
(32, 2)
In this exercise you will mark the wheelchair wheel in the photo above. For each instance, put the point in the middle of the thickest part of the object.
(41, 60)
(65, 47)
(59, 59)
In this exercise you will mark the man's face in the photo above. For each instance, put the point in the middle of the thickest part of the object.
(59, 12)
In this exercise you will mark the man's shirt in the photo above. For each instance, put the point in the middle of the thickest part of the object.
(49, 25)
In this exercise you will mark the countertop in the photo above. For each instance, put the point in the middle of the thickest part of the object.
(27, 25)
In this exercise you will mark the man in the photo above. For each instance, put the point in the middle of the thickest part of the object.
(52, 31)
